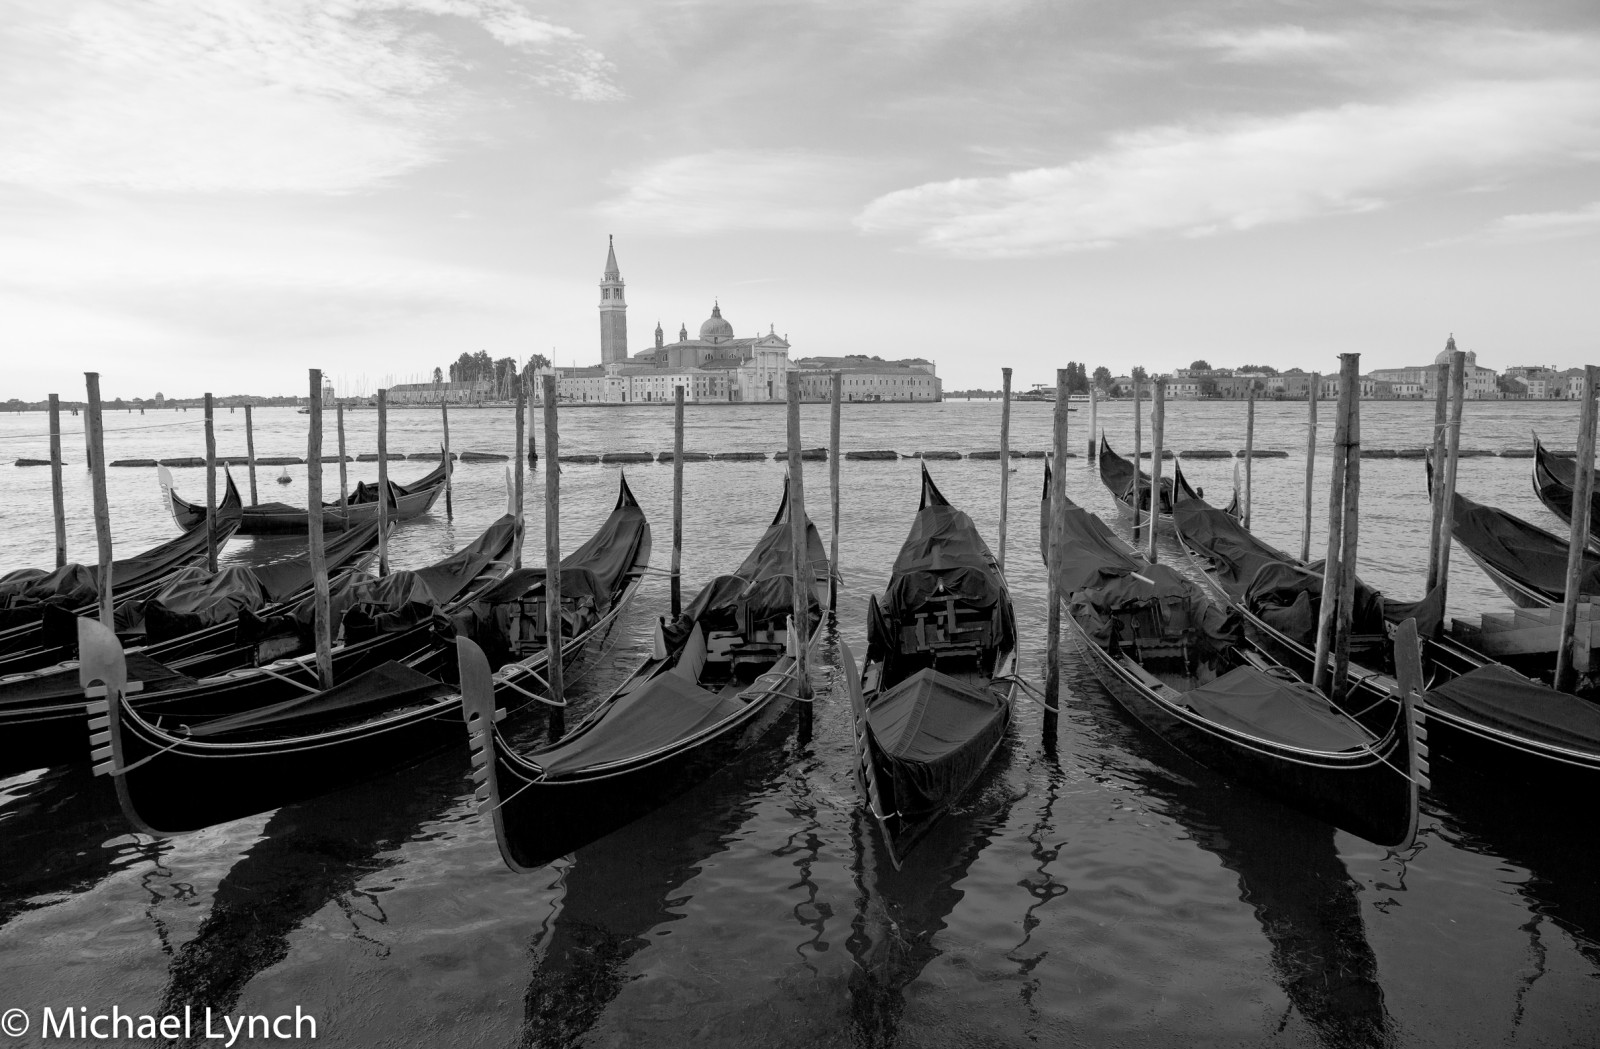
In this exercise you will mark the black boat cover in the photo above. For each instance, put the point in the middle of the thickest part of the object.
(1175, 605)
(944, 555)
(664, 710)
(383, 687)
(26, 592)
(282, 579)
(1553, 481)
(1499, 698)
(447, 578)
(200, 600)
(1290, 713)
(936, 733)
(1117, 473)
(578, 585)
(1521, 551)
(64, 684)
(1236, 552)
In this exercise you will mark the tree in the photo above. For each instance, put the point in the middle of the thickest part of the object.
(438, 376)
(464, 369)
(1102, 377)
(1199, 366)
(1208, 387)
(536, 363)
(1138, 373)
(1265, 369)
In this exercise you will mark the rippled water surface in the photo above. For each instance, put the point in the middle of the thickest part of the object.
(1097, 889)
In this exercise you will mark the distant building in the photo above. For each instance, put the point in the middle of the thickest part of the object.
(871, 379)
(441, 392)
(1479, 383)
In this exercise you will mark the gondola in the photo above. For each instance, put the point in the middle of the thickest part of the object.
(405, 501)
(1481, 713)
(1123, 478)
(1181, 666)
(191, 758)
(1554, 479)
(1527, 563)
(935, 695)
(722, 675)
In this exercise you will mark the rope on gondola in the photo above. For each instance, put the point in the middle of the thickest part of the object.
(546, 700)
(1031, 692)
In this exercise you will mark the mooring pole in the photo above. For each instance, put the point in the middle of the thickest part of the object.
(1138, 471)
(517, 489)
(321, 626)
(1053, 556)
(93, 427)
(211, 485)
(552, 559)
(1158, 427)
(449, 496)
(836, 398)
(1447, 495)
(1249, 448)
(1582, 494)
(1311, 463)
(803, 570)
(1441, 409)
(677, 500)
(1005, 460)
(1094, 426)
(250, 452)
(1350, 533)
(57, 501)
(1327, 615)
(383, 482)
(344, 476)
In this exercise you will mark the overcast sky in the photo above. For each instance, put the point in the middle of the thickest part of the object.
(218, 194)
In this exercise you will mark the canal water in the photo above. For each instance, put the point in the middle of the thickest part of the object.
(1097, 889)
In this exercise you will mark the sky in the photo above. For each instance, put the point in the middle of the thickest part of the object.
(217, 195)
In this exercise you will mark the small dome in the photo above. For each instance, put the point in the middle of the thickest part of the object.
(715, 327)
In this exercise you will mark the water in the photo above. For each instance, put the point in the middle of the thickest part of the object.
(1097, 889)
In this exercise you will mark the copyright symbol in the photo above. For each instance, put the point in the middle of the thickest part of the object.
(14, 1023)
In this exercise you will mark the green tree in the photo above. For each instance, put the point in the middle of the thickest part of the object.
(1199, 366)
(438, 376)
(1102, 377)
(1138, 373)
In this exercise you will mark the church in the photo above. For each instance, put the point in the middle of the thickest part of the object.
(716, 365)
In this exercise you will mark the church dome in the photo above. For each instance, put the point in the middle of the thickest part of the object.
(715, 327)
(1449, 348)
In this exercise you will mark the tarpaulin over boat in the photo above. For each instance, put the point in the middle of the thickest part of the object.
(1288, 712)
(447, 578)
(1164, 602)
(1287, 597)
(282, 579)
(577, 585)
(1499, 698)
(1236, 552)
(201, 600)
(71, 586)
(1553, 481)
(664, 710)
(395, 602)
(944, 555)
(1527, 554)
(385, 687)
(38, 689)
(936, 733)
(1117, 474)
(151, 565)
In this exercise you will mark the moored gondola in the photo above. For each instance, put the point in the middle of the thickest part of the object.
(723, 674)
(1130, 487)
(1554, 479)
(405, 501)
(935, 695)
(1181, 666)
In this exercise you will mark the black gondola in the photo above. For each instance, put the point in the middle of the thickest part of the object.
(1129, 484)
(405, 501)
(722, 676)
(190, 758)
(936, 692)
(1180, 665)
(1554, 479)
(1527, 563)
(1480, 711)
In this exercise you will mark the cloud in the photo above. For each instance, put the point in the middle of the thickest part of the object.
(1543, 225)
(300, 96)
(1201, 179)
(733, 190)
(1286, 43)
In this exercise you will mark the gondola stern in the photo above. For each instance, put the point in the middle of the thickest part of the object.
(479, 712)
(103, 673)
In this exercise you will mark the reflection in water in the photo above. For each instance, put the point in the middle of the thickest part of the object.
(311, 854)
(1041, 882)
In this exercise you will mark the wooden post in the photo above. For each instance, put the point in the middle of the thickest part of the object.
(1441, 405)
(1094, 425)
(211, 485)
(1582, 489)
(344, 476)
(1311, 463)
(1138, 475)
(250, 452)
(521, 469)
(56, 499)
(321, 627)
(1005, 460)
(1158, 426)
(449, 497)
(552, 558)
(677, 500)
(1447, 494)
(533, 445)
(383, 482)
(96, 441)
(1249, 448)
(803, 571)
(1329, 613)
(1053, 556)
(1350, 533)
(836, 396)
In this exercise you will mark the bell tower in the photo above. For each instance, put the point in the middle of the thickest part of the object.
(613, 311)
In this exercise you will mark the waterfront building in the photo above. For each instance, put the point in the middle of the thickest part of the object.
(441, 392)
(1480, 383)
(871, 379)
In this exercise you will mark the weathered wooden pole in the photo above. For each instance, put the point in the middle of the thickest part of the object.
(449, 496)
(1053, 556)
(57, 500)
(1311, 463)
(1351, 532)
(1249, 448)
(533, 445)
(677, 500)
(1094, 425)
(836, 397)
(1158, 427)
(321, 625)
(383, 482)
(802, 568)
(552, 559)
(1582, 489)
(1447, 493)
(1329, 613)
(521, 469)
(250, 452)
(344, 476)
(1138, 471)
(96, 441)
(1005, 460)
(211, 485)
(1441, 410)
